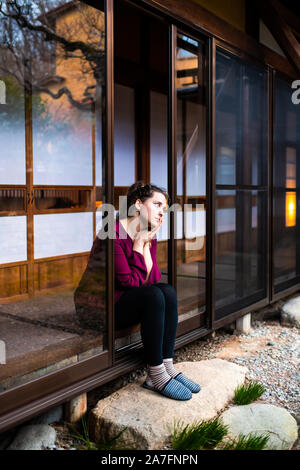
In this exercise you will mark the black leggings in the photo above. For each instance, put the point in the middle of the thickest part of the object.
(155, 307)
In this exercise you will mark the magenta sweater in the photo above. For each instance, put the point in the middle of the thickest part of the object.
(130, 266)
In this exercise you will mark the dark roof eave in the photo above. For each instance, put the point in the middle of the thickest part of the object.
(58, 10)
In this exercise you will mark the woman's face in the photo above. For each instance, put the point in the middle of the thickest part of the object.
(152, 210)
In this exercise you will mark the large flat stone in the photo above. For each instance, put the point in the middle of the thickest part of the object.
(290, 313)
(262, 418)
(149, 416)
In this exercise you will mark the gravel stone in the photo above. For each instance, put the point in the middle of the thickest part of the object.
(275, 369)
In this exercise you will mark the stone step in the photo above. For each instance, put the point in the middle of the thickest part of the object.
(262, 419)
(149, 416)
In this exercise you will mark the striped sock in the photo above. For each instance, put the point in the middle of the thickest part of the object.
(170, 368)
(157, 376)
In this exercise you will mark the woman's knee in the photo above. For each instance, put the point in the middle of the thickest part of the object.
(154, 298)
(168, 290)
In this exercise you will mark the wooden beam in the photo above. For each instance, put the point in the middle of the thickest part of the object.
(289, 17)
(198, 17)
(281, 31)
(251, 20)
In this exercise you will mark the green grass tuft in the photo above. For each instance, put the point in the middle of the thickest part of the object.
(199, 435)
(87, 444)
(245, 394)
(247, 442)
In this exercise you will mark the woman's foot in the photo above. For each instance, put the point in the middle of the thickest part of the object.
(173, 389)
(159, 380)
(188, 383)
(158, 377)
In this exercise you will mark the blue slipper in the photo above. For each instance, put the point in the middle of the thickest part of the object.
(172, 389)
(188, 383)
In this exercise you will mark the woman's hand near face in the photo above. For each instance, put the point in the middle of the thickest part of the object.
(155, 230)
(147, 235)
(143, 237)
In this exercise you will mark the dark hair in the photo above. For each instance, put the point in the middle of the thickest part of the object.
(141, 191)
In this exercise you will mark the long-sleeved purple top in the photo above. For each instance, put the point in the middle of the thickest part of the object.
(130, 266)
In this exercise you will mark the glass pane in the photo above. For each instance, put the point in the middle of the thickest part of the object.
(53, 237)
(12, 199)
(286, 228)
(140, 123)
(159, 168)
(191, 176)
(53, 302)
(66, 100)
(159, 139)
(62, 199)
(12, 115)
(241, 122)
(241, 258)
(13, 239)
(124, 135)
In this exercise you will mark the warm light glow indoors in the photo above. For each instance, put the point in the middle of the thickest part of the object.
(290, 209)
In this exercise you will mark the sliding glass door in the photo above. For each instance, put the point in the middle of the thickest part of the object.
(241, 215)
(190, 219)
(286, 187)
(140, 119)
(51, 180)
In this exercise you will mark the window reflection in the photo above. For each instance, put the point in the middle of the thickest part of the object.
(158, 139)
(241, 159)
(52, 236)
(124, 136)
(191, 176)
(13, 239)
(159, 168)
(240, 269)
(241, 122)
(290, 167)
(290, 209)
(140, 119)
(62, 199)
(12, 121)
(286, 184)
(12, 199)
(52, 63)
(64, 103)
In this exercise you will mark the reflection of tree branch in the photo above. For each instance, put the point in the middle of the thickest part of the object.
(64, 91)
(11, 73)
(49, 35)
(17, 62)
(21, 45)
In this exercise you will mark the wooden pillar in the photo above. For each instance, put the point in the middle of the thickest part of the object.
(75, 409)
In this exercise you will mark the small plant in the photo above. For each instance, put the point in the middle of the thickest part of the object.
(247, 442)
(88, 444)
(245, 394)
(201, 435)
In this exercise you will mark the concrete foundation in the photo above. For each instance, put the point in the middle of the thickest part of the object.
(243, 324)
